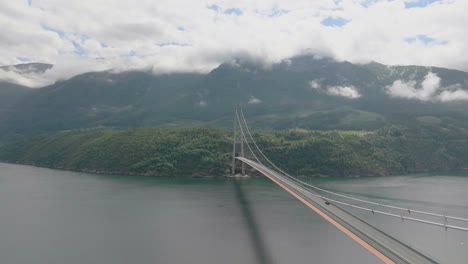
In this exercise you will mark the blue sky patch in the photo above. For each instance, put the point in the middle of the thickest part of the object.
(66, 35)
(132, 53)
(425, 39)
(23, 59)
(368, 3)
(234, 11)
(82, 37)
(276, 12)
(214, 7)
(419, 3)
(59, 32)
(173, 44)
(335, 21)
(78, 49)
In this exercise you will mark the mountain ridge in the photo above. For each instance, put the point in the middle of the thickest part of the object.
(25, 68)
(303, 91)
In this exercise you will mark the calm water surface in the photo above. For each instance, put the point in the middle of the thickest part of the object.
(50, 216)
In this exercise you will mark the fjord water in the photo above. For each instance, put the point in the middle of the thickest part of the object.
(51, 216)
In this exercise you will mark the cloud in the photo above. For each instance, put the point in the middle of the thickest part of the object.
(345, 91)
(25, 79)
(315, 84)
(201, 103)
(456, 95)
(254, 100)
(429, 90)
(410, 90)
(86, 35)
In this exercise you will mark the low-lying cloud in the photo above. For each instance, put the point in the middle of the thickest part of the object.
(254, 100)
(177, 35)
(314, 84)
(345, 91)
(411, 90)
(458, 94)
(429, 90)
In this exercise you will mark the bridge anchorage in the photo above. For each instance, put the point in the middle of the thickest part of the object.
(331, 205)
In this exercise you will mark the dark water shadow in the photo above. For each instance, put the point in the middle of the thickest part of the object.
(259, 248)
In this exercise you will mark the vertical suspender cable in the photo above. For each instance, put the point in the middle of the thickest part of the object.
(338, 194)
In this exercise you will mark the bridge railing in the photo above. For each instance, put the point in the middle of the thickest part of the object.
(247, 136)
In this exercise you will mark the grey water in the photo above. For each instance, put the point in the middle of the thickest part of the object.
(52, 216)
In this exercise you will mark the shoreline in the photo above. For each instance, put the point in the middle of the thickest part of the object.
(236, 176)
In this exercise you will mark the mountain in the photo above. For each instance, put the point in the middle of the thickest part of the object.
(10, 95)
(304, 91)
(26, 68)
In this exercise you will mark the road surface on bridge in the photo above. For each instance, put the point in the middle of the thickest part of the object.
(382, 245)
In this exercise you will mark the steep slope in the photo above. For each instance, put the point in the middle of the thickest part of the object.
(10, 94)
(304, 91)
(94, 99)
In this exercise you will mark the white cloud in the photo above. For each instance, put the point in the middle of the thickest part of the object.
(254, 100)
(201, 103)
(409, 90)
(345, 91)
(429, 90)
(315, 84)
(447, 96)
(183, 35)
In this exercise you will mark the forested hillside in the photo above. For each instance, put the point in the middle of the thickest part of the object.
(428, 144)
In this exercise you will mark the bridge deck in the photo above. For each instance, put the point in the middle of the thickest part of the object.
(383, 246)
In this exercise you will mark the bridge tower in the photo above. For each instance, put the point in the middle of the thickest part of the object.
(238, 139)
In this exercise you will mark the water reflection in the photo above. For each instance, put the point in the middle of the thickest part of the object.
(258, 244)
(67, 217)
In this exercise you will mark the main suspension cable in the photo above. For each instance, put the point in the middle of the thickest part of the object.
(339, 194)
(245, 139)
(305, 191)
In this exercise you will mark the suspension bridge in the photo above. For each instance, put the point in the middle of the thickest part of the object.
(332, 205)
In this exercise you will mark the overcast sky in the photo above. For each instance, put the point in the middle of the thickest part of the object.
(196, 35)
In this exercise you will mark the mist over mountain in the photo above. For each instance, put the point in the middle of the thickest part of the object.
(304, 91)
(26, 68)
(26, 74)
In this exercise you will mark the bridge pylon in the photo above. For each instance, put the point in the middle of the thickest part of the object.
(238, 139)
